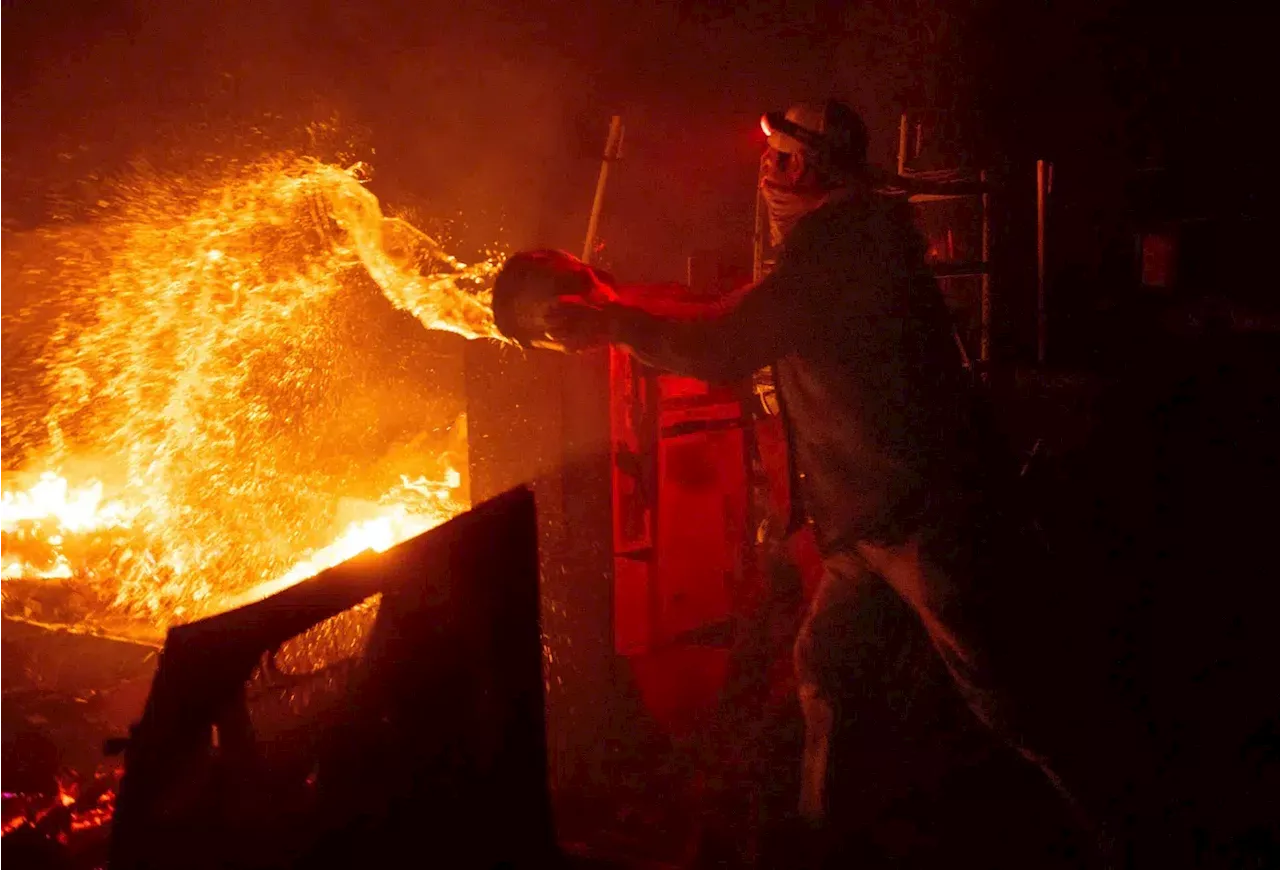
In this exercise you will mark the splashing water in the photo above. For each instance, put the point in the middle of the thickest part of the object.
(198, 454)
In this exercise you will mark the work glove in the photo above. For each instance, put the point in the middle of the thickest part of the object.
(578, 322)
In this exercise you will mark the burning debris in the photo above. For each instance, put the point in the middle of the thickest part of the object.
(64, 695)
(76, 817)
(198, 434)
(431, 740)
(187, 449)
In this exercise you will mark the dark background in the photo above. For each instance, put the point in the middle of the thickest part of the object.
(493, 113)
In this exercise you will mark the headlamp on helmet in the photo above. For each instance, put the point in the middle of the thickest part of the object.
(834, 132)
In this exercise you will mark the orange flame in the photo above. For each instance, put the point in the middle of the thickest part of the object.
(195, 459)
(51, 510)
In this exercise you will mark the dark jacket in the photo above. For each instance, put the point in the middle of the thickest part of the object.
(876, 401)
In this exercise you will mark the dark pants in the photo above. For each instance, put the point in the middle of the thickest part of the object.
(945, 577)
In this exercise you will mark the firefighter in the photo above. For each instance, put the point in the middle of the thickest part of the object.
(889, 460)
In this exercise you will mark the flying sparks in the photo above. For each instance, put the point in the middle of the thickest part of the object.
(197, 452)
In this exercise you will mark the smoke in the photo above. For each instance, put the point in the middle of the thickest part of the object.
(454, 123)
(486, 117)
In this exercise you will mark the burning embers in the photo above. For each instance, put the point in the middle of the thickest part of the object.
(214, 418)
(54, 532)
(77, 814)
(40, 520)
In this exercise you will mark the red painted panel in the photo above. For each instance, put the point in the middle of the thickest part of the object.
(673, 387)
(701, 518)
(677, 392)
(632, 606)
(629, 415)
(680, 685)
(1159, 253)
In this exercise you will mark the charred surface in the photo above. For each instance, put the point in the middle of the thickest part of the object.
(433, 740)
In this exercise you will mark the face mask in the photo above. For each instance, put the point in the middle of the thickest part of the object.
(786, 206)
(785, 202)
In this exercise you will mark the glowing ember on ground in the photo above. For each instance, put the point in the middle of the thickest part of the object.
(196, 455)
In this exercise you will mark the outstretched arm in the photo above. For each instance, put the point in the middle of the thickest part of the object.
(729, 338)
(834, 282)
(720, 340)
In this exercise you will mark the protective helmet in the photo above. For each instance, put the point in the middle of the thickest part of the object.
(834, 132)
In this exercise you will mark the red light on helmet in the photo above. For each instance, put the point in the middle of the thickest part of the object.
(765, 125)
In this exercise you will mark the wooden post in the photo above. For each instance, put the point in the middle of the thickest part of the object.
(612, 148)
(1042, 319)
(902, 144)
(760, 239)
(984, 303)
